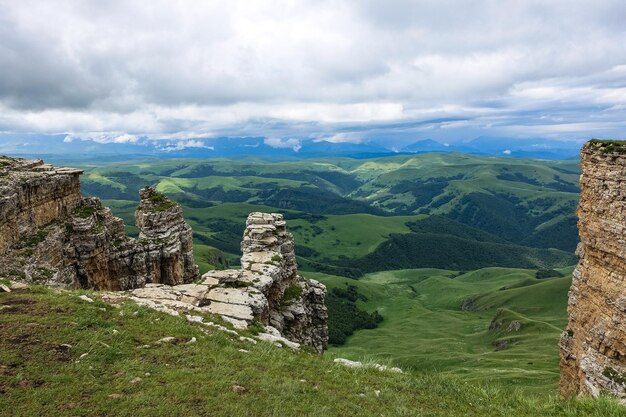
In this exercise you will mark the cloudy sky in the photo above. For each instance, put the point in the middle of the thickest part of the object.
(388, 70)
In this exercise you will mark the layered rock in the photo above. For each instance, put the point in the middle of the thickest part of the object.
(593, 347)
(99, 255)
(51, 234)
(32, 195)
(267, 290)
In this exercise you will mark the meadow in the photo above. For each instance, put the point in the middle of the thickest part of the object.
(94, 359)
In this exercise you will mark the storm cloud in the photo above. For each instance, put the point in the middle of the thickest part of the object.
(357, 69)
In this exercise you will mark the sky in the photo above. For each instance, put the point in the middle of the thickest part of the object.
(391, 71)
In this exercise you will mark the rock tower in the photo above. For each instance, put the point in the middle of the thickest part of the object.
(593, 347)
(266, 290)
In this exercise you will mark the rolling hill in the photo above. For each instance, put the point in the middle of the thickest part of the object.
(442, 210)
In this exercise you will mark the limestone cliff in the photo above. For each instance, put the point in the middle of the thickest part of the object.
(266, 290)
(50, 234)
(593, 347)
(33, 194)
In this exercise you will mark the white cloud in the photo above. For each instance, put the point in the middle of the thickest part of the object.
(290, 143)
(180, 145)
(103, 138)
(341, 138)
(194, 69)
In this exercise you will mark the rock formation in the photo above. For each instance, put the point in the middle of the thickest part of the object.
(266, 290)
(593, 347)
(50, 234)
(33, 194)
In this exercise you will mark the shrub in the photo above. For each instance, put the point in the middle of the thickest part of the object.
(547, 273)
(291, 293)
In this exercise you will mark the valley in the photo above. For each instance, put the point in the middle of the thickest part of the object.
(444, 246)
(496, 324)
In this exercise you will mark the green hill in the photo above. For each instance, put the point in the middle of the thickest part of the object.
(460, 323)
(403, 231)
(349, 215)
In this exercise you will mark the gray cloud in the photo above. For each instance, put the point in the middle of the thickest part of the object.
(369, 68)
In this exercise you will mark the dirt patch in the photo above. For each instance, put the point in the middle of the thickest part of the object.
(26, 383)
(63, 352)
(18, 302)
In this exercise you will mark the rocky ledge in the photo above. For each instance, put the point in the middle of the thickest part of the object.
(267, 290)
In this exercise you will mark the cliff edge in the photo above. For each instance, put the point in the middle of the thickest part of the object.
(593, 347)
(50, 234)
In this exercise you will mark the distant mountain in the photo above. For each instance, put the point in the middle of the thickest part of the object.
(65, 148)
(426, 145)
(502, 146)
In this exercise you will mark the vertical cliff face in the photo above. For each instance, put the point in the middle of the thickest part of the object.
(50, 234)
(32, 195)
(99, 254)
(593, 347)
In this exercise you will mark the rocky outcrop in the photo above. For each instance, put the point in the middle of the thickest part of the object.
(32, 195)
(593, 347)
(51, 234)
(267, 290)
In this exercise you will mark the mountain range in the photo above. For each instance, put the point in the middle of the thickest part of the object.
(67, 148)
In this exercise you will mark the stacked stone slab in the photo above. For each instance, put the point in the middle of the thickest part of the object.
(266, 290)
(50, 234)
(593, 347)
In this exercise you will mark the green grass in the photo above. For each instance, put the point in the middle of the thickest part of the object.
(351, 235)
(425, 328)
(41, 376)
(608, 146)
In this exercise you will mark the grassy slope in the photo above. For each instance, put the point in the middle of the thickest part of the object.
(351, 235)
(117, 377)
(425, 328)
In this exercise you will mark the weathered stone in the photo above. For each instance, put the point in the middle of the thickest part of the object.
(256, 292)
(33, 195)
(168, 339)
(245, 296)
(236, 311)
(593, 347)
(85, 298)
(53, 235)
(356, 364)
(269, 265)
